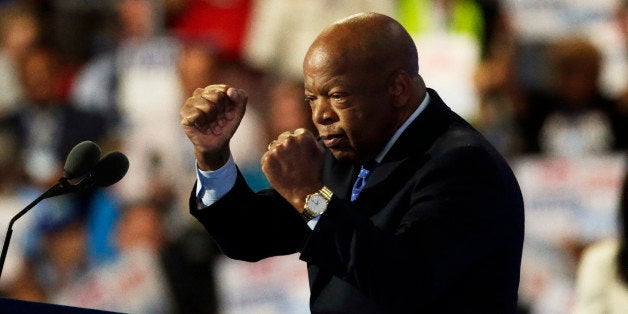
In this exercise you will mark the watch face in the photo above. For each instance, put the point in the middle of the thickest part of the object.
(317, 203)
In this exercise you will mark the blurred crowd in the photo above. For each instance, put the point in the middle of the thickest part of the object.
(117, 71)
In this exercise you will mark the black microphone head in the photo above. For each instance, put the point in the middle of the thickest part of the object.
(110, 169)
(81, 160)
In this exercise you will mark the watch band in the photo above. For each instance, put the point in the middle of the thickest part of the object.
(307, 215)
(326, 193)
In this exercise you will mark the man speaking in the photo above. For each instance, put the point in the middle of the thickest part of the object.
(398, 205)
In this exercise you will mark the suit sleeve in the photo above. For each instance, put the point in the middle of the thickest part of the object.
(462, 212)
(251, 226)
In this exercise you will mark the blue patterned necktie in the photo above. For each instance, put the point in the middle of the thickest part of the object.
(360, 182)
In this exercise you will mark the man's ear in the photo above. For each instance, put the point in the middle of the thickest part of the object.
(400, 88)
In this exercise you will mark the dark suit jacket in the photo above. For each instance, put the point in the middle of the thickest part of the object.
(437, 229)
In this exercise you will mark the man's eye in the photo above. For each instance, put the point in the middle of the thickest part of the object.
(309, 99)
(337, 96)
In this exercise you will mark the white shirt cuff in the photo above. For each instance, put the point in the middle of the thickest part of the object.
(213, 185)
(312, 223)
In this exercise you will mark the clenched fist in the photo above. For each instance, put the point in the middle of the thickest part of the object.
(210, 118)
(293, 165)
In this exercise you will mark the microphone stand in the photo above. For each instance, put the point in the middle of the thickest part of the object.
(62, 187)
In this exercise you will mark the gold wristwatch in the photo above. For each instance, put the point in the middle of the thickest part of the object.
(316, 203)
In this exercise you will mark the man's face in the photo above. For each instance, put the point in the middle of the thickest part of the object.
(351, 103)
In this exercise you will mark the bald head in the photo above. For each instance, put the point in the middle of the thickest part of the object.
(369, 39)
(361, 81)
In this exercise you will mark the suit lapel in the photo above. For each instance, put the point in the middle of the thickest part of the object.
(414, 141)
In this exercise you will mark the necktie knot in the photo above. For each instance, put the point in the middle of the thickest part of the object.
(364, 173)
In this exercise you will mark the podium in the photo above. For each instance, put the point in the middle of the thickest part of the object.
(11, 306)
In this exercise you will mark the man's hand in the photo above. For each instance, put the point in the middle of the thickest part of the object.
(210, 118)
(293, 165)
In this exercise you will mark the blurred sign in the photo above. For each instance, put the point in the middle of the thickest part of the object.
(568, 204)
(274, 285)
(548, 19)
(575, 197)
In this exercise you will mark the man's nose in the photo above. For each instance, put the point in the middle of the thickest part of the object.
(322, 112)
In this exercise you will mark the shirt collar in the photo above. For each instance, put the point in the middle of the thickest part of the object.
(403, 127)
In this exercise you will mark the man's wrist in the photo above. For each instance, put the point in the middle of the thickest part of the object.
(212, 161)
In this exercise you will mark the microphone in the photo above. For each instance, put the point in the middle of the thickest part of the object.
(109, 170)
(81, 159)
(82, 163)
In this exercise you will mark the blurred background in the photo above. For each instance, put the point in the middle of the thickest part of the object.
(546, 81)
